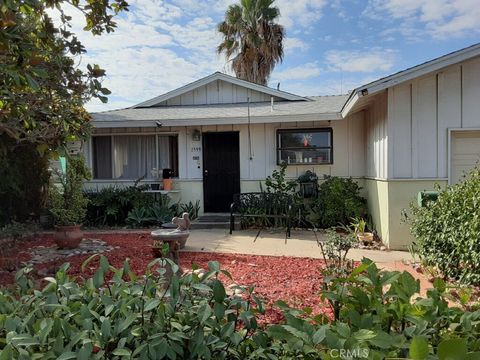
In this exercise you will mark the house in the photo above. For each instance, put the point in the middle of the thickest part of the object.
(220, 135)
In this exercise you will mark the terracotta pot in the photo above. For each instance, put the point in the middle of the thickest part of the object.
(68, 237)
(365, 237)
(167, 184)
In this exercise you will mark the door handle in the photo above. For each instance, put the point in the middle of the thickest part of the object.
(205, 172)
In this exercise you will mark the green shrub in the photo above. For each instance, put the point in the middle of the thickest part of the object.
(193, 209)
(377, 316)
(68, 204)
(338, 202)
(109, 317)
(115, 206)
(447, 231)
(277, 182)
(110, 205)
(116, 314)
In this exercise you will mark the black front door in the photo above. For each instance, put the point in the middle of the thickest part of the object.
(221, 170)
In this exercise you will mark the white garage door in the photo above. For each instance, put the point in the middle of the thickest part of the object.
(465, 154)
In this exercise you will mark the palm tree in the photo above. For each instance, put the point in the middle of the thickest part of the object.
(252, 40)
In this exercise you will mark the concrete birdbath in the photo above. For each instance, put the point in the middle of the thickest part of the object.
(176, 238)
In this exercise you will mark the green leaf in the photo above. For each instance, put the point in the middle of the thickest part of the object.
(440, 285)
(213, 266)
(319, 335)
(151, 304)
(6, 353)
(106, 329)
(419, 348)
(219, 310)
(67, 355)
(278, 332)
(24, 340)
(104, 265)
(472, 356)
(121, 352)
(202, 287)
(364, 334)
(219, 293)
(86, 262)
(453, 349)
(98, 278)
(126, 323)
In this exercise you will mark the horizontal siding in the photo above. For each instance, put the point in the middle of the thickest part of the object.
(258, 156)
(421, 112)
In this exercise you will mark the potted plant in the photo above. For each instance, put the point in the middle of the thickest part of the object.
(68, 204)
(359, 227)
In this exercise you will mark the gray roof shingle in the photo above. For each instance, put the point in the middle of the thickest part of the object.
(317, 105)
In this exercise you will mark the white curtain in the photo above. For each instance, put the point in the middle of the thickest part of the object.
(134, 156)
(164, 153)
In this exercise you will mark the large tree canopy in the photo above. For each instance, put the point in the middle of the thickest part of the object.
(42, 91)
(252, 39)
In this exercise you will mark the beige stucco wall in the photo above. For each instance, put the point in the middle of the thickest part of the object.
(387, 201)
(400, 195)
(377, 199)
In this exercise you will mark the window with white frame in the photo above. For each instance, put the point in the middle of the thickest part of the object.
(130, 157)
(305, 146)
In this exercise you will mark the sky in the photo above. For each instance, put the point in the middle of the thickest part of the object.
(331, 46)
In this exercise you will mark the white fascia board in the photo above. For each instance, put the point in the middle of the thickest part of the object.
(218, 121)
(219, 76)
(352, 100)
(422, 69)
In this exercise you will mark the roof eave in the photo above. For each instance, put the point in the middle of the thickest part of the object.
(420, 70)
(218, 121)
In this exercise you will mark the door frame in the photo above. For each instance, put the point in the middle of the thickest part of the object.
(204, 150)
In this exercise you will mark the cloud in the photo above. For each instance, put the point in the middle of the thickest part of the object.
(291, 44)
(300, 13)
(305, 71)
(160, 45)
(360, 61)
(437, 18)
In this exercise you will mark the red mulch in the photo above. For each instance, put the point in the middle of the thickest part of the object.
(297, 281)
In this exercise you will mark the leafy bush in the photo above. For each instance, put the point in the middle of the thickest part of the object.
(111, 205)
(116, 314)
(192, 209)
(68, 204)
(277, 182)
(338, 202)
(447, 231)
(334, 249)
(377, 317)
(114, 206)
(141, 318)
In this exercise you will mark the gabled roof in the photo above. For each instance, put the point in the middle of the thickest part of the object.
(315, 109)
(410, 74)
(223, 77)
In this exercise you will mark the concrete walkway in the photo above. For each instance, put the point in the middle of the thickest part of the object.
(300, 244)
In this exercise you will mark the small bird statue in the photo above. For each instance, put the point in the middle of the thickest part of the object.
(183, 223)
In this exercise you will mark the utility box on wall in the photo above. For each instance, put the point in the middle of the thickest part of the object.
(426, 196)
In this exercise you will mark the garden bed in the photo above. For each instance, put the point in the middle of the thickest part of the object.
(295, 280)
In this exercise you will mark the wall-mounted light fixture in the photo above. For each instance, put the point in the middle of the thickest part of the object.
(196, 135)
